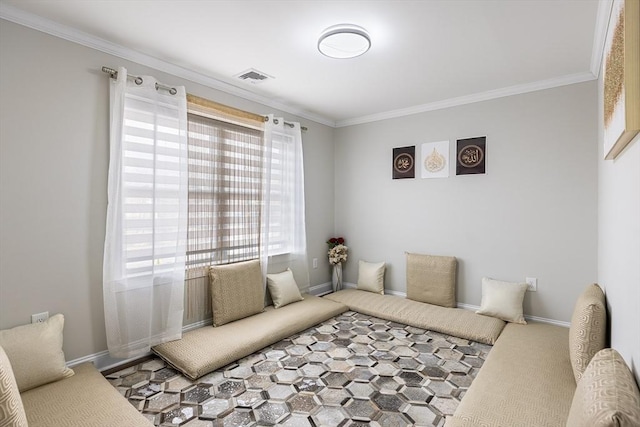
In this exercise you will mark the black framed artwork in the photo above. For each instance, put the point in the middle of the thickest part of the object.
(404, 162)
(471, 156)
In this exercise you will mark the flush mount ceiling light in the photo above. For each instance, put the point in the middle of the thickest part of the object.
(344, 41)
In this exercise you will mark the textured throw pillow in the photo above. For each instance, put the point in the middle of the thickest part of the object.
(371, 276)
(606, 395)
(431, 279)
(11, 409)
(587, 333)
(283, 288)
(236, 291)
(503, 300)
(35, 352)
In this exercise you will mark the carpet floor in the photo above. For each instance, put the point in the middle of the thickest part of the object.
(352, 370)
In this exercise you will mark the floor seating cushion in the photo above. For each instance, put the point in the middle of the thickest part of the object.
(526, 381)
(206, 349)
(528, 378)
(86, 399)
(451, 321)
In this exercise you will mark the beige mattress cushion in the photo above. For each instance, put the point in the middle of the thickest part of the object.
(206, 349)
(587, 334)
(86, 399)
(607, 394)
(237, 291)
(35, 352)
(526, 381)
(431, 279)
(11, 408)
(452, 321)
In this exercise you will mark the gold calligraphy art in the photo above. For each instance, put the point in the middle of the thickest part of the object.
(403, 162)
(435, 161)
(470, 156)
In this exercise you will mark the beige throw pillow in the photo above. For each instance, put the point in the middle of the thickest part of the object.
(587, 332)
(35, 352)
(283, 288)
(236, 291)
(606, 395)
(431, 279)
(503, 300)
(11, 408)
(371, 276)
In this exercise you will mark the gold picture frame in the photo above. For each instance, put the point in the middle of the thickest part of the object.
(621, 77)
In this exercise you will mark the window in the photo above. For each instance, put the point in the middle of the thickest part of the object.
(225, 191)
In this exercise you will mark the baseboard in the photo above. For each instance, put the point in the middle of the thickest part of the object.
(321, 289)
(103, 361)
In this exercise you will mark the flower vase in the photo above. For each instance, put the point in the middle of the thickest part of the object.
(337, 277)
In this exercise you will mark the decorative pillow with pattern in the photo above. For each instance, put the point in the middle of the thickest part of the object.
(431, 279)
(11, 408)
(587, 333)
(237, 291)
(606, 395)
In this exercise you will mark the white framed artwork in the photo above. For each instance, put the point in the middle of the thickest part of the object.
(434, 159)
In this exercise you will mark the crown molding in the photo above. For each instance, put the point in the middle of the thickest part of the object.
(53, 28)
(470, 99)
(600, 33)
(38, 23)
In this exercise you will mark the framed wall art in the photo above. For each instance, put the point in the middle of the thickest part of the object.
(435, 159)
(621, 77)
(404, 162)
(471, 156)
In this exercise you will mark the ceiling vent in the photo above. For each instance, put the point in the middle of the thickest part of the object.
(253, 76)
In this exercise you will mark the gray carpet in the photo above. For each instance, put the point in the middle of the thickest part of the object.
(352, 370)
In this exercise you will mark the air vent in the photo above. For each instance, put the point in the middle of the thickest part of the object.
(253, 76)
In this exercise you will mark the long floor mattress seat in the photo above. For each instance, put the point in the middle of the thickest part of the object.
(540, 375)
(86, 399)
(206, 349)
(451, 321)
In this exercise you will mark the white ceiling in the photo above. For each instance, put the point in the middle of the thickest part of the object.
(425, 54)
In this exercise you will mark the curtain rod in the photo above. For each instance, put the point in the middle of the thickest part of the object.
(138, 80)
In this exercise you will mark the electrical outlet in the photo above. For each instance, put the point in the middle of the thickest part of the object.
(315, 263)
(39, 317)
(532, 284)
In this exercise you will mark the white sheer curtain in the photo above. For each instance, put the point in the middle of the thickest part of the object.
(145, 242)
(283, 240)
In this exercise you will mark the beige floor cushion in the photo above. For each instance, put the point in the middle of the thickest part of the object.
(452, 321)
(587, 334)
(237, 291)
(35, 352)
(86, 399)
(607, 394)
(206, 349)
(526, 381)
(431, 279)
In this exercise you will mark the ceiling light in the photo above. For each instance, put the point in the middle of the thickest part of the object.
(344, 41)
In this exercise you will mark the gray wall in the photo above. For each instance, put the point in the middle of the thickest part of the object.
(53, 181)
(532, 214)
(619, 246)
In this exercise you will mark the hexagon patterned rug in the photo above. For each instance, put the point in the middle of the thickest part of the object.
(352, 370)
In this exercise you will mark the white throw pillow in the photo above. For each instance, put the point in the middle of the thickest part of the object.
(283, 288)
(503, 300)
(371, 276)
(35, 352)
